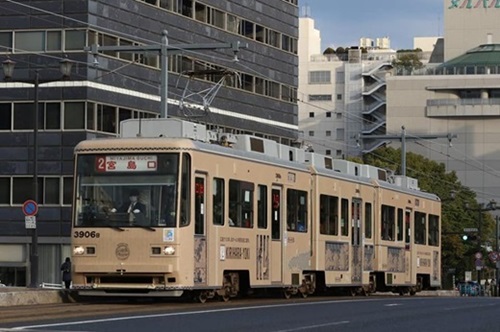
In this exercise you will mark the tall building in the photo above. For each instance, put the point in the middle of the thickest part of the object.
(460, 96)
(341, 96)
(257, 94)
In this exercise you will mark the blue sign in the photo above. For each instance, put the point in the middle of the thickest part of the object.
(30, 208)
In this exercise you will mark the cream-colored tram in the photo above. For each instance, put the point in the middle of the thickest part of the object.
(245, 214)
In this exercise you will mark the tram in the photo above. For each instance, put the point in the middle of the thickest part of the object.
(172, 209)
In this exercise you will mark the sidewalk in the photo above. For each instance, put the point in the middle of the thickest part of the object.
(14, 296)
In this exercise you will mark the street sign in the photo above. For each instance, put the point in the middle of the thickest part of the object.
(30, 222)
(493, 256)
(30, 208)
(470, 230)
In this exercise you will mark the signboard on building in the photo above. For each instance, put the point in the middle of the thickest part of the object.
(474, 4)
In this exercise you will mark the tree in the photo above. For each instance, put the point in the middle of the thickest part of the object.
(407, 62)
(329, 51)
(340, 50)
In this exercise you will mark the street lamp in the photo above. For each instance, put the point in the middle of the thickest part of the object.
(483, 207)
(8, 70)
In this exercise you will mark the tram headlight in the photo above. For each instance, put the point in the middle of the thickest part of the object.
(78, 250)
(169, 250)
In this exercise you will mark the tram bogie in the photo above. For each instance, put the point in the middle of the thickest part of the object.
(224, 222)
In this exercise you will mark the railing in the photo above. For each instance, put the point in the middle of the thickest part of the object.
(436, 71)
(464, 102)
(47, 285)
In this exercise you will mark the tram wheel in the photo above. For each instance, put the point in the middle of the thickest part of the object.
(201, 297)
(287, 294)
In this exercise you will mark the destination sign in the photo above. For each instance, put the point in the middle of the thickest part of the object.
(122, 163)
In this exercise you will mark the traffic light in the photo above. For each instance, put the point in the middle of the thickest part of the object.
(469, 237)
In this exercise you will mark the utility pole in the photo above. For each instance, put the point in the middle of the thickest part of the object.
(163, 49)
(403, 139)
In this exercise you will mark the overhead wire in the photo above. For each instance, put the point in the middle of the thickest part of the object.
(199, 54)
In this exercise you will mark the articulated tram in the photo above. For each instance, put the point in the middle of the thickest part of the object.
(227, 215)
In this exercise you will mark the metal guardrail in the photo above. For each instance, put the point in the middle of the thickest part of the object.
(47, 285)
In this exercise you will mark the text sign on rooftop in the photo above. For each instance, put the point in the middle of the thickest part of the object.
(474, 4)
(129, 163)
(470, 230)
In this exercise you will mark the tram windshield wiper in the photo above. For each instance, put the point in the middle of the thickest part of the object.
(149, 228)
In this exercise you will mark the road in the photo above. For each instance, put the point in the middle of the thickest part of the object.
(406, 314)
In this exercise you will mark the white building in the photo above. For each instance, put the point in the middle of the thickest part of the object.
(340, 96)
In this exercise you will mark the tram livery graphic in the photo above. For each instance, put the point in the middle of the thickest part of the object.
(172, 209)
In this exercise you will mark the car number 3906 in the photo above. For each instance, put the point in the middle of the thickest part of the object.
(82, 234)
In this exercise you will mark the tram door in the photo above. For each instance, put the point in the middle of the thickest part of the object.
(276, 236)
(409, 256)
(200, 238)
(357, 252)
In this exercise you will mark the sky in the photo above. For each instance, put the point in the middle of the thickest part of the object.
(343, 22)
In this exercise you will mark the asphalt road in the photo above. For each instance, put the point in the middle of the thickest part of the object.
(406, 314)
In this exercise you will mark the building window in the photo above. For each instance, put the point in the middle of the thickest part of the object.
(67, 190)
(320, 97)
(5, 116)
(5, 41)
(339, 96)
(74, 40)
(328, 133)
(23, 116)
(339, 115)
(311, 133)
(52, 118)
(340, 134)
(328, 114)
(29, 41)
(74, 115)
(51, 191)
(22, 189)
(311, 114)
(338, 153)
(328, 152)
(4, 190)
(320, 77)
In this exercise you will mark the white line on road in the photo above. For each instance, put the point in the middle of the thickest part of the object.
(392, 304)
(104, 320)
(314, 326)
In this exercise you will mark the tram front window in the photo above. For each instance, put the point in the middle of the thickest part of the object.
(126, 190)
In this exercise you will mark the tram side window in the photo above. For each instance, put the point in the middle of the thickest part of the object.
(368, 220)
(241, 204)
(344, 220)
(420, 229)
(262, 207)
(433, 230)
(388, 223)
(296, 210)
(185, 190)
(329, 215)
(218, 201)
(400, 228)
